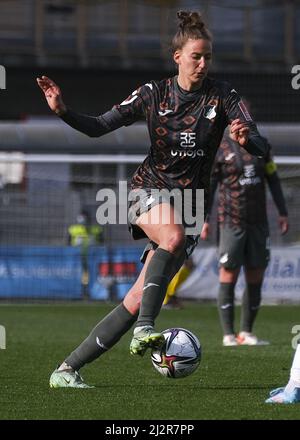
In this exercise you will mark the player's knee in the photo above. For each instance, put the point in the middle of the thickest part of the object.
(175, 242)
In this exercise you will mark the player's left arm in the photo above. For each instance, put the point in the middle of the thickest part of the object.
(243, 129)
(277, 193)
(214, 182)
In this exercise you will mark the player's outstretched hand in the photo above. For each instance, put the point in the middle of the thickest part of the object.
(52, 94)
(205, 231)
(239, 132)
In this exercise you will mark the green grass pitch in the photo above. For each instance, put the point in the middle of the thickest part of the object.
(231, 382)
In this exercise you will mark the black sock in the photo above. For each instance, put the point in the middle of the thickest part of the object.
(250, 306)
(158, 275)
(226, 307)
(106, 334)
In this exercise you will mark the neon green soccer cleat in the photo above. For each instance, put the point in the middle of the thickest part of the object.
(144, 338)
(67, 379)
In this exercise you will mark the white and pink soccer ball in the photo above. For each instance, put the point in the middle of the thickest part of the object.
(179, 356)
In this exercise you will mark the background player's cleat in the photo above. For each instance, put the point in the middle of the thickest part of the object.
(67, 379)
(245, 338)
(284, 396)
(144, 338)
(229, 341)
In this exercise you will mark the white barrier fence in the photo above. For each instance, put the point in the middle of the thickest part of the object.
(281, 282)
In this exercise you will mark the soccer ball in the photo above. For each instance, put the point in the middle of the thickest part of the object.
(179, 356)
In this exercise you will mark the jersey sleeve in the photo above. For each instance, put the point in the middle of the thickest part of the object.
(214, 181)
(93, 126)
(270, 165)
(126, 113)
(134, 108)
(235, 108)
(275, 185)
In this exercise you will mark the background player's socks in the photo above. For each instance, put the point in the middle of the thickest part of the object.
(106, 334)
(250, 306)
(157, 277)
(226, 307)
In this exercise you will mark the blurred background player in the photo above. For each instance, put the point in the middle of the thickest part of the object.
(243, 232)
(178, 118)
(291, 392)
(84, 234)
(171, 300)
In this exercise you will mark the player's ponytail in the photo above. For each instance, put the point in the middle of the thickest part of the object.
(191, 26)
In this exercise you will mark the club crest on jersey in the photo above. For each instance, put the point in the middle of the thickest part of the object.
(209, 111)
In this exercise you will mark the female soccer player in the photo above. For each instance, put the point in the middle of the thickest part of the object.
(186, 116)
(243, 232)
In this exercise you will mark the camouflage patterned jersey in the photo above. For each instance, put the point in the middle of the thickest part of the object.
(185, 130)
(241, 178)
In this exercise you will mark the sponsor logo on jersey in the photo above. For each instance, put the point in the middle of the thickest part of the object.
(209, 111)
(249, 171)
(188, 140)
(249, 181)
(187, 153)
(250, 176)
(187, 143)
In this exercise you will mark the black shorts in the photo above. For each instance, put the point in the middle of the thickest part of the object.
(138, 206)
(244, 246)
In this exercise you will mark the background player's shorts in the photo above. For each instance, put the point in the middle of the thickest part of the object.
(248, 246)
(142, 204)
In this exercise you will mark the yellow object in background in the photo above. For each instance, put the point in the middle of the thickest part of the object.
(176, 282)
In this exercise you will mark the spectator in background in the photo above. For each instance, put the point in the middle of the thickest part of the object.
(84, 234)
(243, 232)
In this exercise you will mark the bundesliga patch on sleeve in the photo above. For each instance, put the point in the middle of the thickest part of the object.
(245, 112)
(271, 167)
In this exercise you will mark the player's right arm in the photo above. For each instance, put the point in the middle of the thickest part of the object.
(277, 193)
(129, 111)
(214, 181)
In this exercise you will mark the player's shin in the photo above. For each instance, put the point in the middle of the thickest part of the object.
(250, 306)
(158, 275)
(104, 336)
(226, 307)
